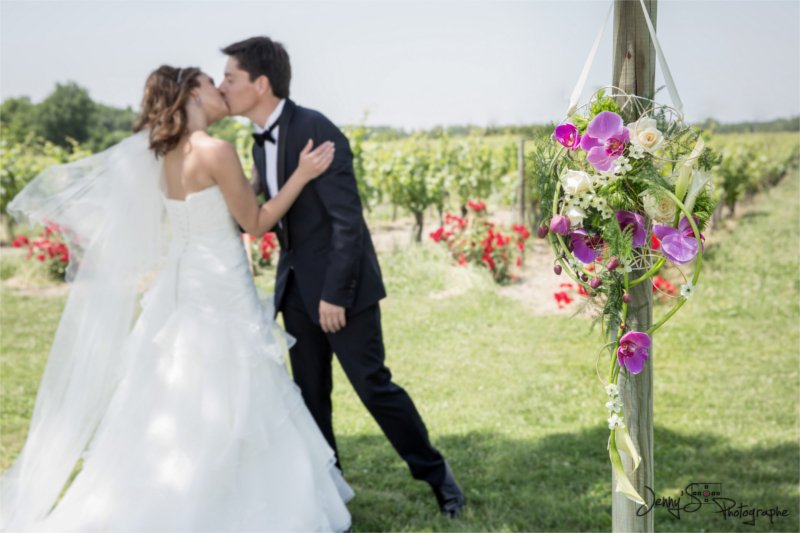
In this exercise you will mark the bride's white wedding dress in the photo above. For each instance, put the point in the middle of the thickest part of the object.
(206, 430)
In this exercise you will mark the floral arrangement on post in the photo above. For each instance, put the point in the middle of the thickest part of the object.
(626, 193)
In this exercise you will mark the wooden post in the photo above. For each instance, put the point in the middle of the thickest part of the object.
(521, 189)
(633, 71)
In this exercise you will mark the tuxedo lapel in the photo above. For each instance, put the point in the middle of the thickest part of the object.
(283, 138)
(283, 141)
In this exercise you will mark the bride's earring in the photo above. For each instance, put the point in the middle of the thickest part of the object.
(197, 101)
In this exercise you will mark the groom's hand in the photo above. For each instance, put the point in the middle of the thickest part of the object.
(331, 317)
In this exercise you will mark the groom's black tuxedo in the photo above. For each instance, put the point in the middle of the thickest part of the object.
(327, 254)
(323, 237)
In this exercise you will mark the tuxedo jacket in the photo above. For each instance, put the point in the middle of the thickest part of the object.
(324, 240)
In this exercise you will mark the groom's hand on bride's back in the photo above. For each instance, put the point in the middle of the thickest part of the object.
(331, 317)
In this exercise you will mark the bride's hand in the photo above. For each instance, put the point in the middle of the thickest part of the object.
(314, 162)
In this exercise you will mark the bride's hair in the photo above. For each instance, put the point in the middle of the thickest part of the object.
(163, 106)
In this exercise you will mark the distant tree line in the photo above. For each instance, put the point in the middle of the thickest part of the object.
(69, 112)
(791, 124)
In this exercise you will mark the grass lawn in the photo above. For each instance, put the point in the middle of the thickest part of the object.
(514, 403)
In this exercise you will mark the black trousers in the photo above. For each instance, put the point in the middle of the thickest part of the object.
(359, 348)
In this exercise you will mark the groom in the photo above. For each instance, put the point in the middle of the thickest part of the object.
(328, 283)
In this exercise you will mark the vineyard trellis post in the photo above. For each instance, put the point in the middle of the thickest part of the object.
(633, 71)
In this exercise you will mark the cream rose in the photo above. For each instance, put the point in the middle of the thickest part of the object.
(576, 182)
(659, 207)
(645, 134)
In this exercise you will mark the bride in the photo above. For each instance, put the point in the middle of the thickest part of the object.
(184, 418)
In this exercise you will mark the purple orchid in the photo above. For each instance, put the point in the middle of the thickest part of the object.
(629, 219)
(586, 248)
(567, 134)
(605, 140)
(559, 224)
(678, 245)
(633, 351)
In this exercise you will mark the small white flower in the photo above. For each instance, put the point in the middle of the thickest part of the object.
(687, 290)
(626, 266)
(621, 165)
(614, 405)
(636, 151)
(612, 389)
(575, 215)
(615, 421)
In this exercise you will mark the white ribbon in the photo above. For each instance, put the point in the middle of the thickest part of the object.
(579, 86)
(587, 66)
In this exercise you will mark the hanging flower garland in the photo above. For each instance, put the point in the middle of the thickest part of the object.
(627, 192)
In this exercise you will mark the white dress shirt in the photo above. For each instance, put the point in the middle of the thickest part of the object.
(271, 150)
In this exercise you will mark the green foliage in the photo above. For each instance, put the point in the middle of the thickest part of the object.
(542, 177)
(66, 113)
(603, 103)
(21, 162)
(367, 189)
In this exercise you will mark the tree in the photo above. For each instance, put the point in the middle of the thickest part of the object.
(67, 112)
(19, 118)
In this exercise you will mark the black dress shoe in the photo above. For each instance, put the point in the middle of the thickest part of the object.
(449, 495)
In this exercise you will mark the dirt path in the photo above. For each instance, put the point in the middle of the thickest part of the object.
(537, 283)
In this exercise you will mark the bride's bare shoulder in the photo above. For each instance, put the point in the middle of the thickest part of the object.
(211, 148)
(216, 155)
(203, 142)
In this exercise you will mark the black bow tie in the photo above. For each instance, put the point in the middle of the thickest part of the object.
(265, 135)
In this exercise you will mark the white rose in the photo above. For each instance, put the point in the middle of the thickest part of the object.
(645, 134)
(659, 207)
(576, 182)
(575, 215)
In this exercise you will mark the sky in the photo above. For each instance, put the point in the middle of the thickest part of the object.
(411, 64)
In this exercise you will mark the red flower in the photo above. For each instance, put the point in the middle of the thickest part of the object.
(655, 243)
(437, 235)
(522, 231)
(462, 259)
(489, 262)
(519, 261)
(562, 299)
(663, 285)
(477, 205)
(40, 257)
(582, 291)
(20, 241)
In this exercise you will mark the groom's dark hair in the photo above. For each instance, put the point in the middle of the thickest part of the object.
(261, 56)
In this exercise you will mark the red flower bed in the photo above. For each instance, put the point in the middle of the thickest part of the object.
(475, 239)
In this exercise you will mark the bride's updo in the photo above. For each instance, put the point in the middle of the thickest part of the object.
(163, 106)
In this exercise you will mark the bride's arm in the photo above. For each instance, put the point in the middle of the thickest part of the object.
(226, 170)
